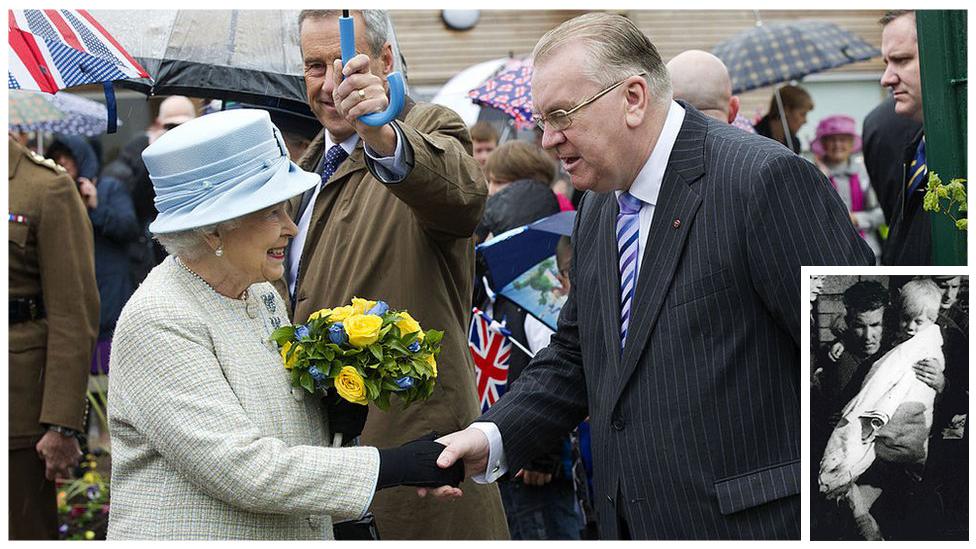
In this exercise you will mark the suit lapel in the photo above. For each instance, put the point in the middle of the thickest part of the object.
(674, 215)
(609, 275)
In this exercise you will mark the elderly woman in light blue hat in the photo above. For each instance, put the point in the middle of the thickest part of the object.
(209, 441)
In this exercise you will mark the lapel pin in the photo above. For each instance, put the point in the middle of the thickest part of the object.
(676, 223)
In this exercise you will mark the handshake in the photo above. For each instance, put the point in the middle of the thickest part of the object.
(435, 465)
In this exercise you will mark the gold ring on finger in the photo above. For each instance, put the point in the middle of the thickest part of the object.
(362, 94)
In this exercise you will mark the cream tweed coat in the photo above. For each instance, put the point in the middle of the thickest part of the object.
(209, 441)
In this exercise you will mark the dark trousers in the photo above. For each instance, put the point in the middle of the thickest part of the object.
(33, 511)
(541, 512)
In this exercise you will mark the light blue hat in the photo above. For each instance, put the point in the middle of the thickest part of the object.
(218, 167)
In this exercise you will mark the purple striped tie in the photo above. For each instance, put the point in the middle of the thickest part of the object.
(628, 245)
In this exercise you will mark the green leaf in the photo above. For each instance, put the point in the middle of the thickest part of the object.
(383, 401)
(307, 382)
(377, 351)
(282, 334)
(962, 224)
(295, 374)
(372, 389)
(398, 347)
(434, 337)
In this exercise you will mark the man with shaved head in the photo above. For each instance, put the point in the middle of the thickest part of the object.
(702, 80)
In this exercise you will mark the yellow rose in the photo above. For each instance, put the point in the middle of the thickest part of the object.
(408, 325)
(289, 362)
(350, 385)
(362, 306)
(339, 314)
(363, 330)
(433, 364)
(320, 313)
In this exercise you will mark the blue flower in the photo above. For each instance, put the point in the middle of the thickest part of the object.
(404, 383)
(301, 332)
(317, 375)
(63, 529)
(92, 492)
(379, 309)
(414, 347)
(337, 334)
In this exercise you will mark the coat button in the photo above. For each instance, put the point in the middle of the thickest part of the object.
(617, 424)
(676, 223)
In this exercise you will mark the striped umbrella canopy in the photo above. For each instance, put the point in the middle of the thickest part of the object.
(63, 113)
(779, 52)
(510, 90)
(50, 50)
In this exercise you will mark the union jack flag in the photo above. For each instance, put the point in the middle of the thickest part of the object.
(490, 351)
(49, 50)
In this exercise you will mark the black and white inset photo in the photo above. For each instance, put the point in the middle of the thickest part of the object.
(889, 436)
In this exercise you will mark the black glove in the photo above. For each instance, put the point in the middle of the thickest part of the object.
(415, 464)
(345, 417)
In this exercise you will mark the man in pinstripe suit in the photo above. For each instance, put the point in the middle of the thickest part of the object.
(691, 377)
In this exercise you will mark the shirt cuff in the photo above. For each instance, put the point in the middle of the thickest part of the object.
(496, 453)
(389, 169)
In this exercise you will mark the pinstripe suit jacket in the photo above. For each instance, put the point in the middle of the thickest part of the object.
(695, 423)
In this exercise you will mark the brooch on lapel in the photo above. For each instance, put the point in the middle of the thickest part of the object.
(17, 218)
(269, 302)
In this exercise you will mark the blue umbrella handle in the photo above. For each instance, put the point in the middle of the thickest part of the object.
(347, 41)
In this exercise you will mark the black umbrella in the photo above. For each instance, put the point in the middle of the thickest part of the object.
(779, 52)
(251, 56)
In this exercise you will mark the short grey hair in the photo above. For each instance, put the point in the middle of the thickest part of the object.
(379, 31)
(891, 15)
(191, 244)
(616, 49)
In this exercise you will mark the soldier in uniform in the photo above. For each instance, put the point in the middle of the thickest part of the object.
(53, 325)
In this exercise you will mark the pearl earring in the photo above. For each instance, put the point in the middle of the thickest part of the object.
(219, 251)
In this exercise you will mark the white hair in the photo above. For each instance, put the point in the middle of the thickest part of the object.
(191, 244)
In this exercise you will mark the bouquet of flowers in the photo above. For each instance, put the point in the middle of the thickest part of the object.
(364, 351)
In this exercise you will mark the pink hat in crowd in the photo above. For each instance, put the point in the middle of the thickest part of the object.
(837, 124)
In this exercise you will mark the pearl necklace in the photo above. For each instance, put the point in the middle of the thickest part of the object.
(242, 297)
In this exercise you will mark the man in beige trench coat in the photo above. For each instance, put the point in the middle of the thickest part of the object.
(393, 223)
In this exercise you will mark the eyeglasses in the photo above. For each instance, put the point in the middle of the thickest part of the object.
(560, 119)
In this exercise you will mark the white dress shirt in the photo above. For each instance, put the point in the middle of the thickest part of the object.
(646, 187)
(391, 169)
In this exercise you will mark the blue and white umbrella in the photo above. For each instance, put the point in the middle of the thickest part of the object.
(76, 115)
(522, 265)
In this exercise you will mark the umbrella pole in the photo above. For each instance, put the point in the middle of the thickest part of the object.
(782, 118)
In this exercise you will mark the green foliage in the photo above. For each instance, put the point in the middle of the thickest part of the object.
(949, 199)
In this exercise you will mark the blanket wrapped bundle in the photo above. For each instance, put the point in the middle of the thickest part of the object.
(884, 411)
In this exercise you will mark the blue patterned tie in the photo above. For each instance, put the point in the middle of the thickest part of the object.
(919, 171)
(628, 245)
(333, 158)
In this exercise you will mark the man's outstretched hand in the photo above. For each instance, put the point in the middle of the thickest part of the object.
(470, 445)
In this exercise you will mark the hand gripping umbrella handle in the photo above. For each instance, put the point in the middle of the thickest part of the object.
(347, 41)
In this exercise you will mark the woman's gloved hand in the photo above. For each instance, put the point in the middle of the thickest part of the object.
(415, 464)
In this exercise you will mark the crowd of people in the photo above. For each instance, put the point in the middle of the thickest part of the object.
(169, 268)
(898, 356)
